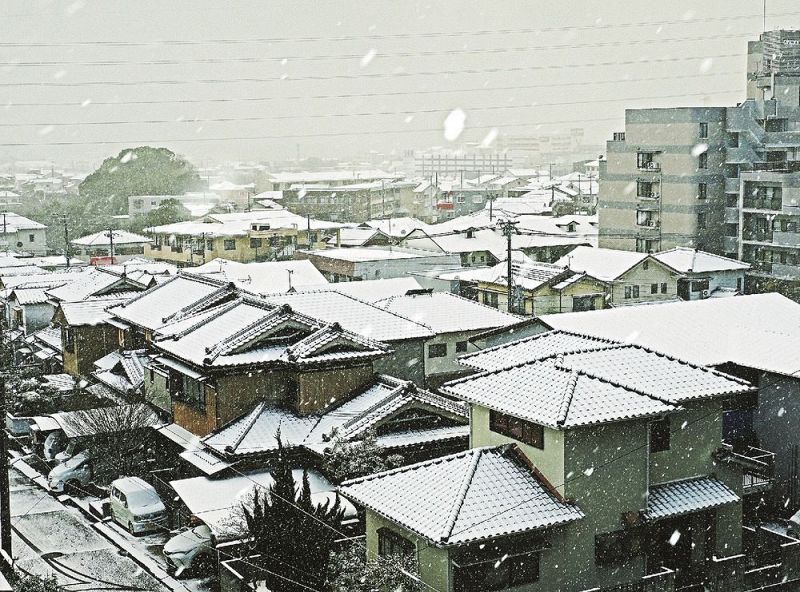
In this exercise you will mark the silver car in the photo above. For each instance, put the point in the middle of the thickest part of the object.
(135, 504)
(190, 549)
(75, 473)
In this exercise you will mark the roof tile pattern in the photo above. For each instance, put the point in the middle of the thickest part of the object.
(683, 497)
(469, 496)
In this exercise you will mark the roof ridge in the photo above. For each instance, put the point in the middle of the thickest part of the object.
(222, 308)
(150, 289)
(253, 417)
(466, 481)
(568, 395)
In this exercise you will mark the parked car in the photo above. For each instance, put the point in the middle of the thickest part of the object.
(73, 473)
(73, 447)
(135, 504)
(192, 549)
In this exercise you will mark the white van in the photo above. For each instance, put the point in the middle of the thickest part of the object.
(135, 505)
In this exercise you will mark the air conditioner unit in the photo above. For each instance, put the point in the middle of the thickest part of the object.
(704, 294)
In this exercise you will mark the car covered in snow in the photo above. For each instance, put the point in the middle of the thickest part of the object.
(73, 474)
(191, 549)
(135, 504)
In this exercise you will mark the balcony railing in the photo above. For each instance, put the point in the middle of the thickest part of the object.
(787, 166)
(649, 166)
(662, 581)
(757, 466)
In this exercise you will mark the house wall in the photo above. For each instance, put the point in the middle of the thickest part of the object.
(37, 316)
(318, 390)
(407, 362)
(546, 300)
(238, 393)
(91, 344)
(21, 240)
(155, 390)
(655, 273)
(392, 268)
(447, 367)
(549, 461)
(198, 421)
(718, 279)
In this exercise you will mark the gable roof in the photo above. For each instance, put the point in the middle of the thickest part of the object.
(448, 313)
(122, 370)
(269, 277)
(686, 260)
(101, 239)
(89, 312)
(603, 264)
(707, 332)
(370, 290)
(26, 296)
(470, 496)
(95, 281)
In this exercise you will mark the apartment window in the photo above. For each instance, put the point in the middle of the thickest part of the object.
(391, 544)
(69, 339)
(663, 287)
(496, 574)
(702, 161)
(644, 160)
(702, 190)
(701, 221)
(654, 288)
(645, 189)
(31, 238)
(519, 429)
(461, 347)
(703, 131)
(437, 350)
(659, 435)
(615, 548)
(229, 244)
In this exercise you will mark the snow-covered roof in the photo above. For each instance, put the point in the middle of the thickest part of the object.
(14, 222)
(24, 270)
(466, 241)
(94, 281)
(354, 315)
(604, 264)
(687, 496)
(89, 312)
(364, 254)
(330, 176)
(688, 260)
(263, 278)
(370, 290)
(102, 239)
(759, 331)
(444, 312)
(527, 275)
(239, 224)
(25, 296)
(397, 227)
(474, 495)
(356, 237)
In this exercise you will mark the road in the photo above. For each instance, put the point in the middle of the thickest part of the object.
(51, 538)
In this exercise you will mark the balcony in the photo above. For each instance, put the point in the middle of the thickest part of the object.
(731, 215)
(662, 581)
(786, 239)
(784, 166)
(782, 139)
(757, 466)
(649, 166)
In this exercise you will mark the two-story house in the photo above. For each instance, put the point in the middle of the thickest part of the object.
(592, 466)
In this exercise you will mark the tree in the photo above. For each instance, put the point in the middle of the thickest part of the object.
(117, 441)
(138, 171)
(349, 460)
(168, 211)
(292, 535)
(349, 571)
(34, 583)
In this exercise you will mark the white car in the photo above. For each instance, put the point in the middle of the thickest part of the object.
(135, 504)
(74, 473)
(190, 549)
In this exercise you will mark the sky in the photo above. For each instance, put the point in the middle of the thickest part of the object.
(268, 80)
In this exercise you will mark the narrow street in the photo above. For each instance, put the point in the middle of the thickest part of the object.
(50, 538)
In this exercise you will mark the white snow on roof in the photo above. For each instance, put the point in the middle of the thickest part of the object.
(269, 277)
(688, 260)
(102, 239)
(448, 313)
(12, 222)
(759, 331)
(604, 264)
(370, 290)
(689, 495)
(89, 312)
(363, 254)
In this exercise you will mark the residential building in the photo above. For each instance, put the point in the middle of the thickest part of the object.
(472, 245)
(754, 337)
(371, 263)
(586, 458)
(720, 179)
(705, 275)
(287, 181)
(357, 202)
(122, 372)
(261, 235)
(29, 309)
(268, 277)
(22, 235)
(630, 277)
(363, 237)
(452, 164)
(109, 247)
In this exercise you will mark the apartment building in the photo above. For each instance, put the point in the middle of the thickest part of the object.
(720, 179)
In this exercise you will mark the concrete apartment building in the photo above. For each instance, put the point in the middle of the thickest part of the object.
(721, 179)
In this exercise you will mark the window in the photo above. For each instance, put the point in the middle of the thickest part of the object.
(255, 243)
(229, 244)
(654, 288)
(739, 285)
(663, 287)
(644, 189)
(702, 161)
(461, 347)
(391, 544)
(635, 290)
(615, 548)
(519, 429)
(69, 339)
(437, 350)
(659, 435)
(645, 265)
(703, 131)
(699, 285)
(461, 199)
(31, 238)
(581, 303)
(628, 292)
(701, 220)
(702, 190)
(495, 574)
(192, 392)
(644, 160)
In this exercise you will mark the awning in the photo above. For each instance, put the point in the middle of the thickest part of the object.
(687, 496)
(45, 423)
(118, 324)
(182, 368)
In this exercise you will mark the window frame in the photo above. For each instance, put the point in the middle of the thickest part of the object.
(522, 430)
(659, 434)
(702, 161)
(702, 190)
(439, 348)
(461, 347)
(393, 544)
(702, 132)
(229, 244)
(653, 288)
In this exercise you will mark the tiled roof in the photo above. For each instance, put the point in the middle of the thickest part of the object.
(690, 495)
(688, 260)
(370, 290)
(121, 237)
(354, 315)
(270, 277)
(532, 348)
(50, 336)
(550, 394)
(91, 282)
(417, 437)
(604, 264)
(27, 296)
(448, 313)
(474, 495)
(88, 312)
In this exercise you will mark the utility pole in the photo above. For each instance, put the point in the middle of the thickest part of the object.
(5, 231)
(5, 494)
(507, 226)
(111, 244)
(308, 230)
(66, 241)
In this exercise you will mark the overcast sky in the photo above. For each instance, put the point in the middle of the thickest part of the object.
(262, 80)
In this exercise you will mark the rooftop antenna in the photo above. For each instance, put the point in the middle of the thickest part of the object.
(765, 16)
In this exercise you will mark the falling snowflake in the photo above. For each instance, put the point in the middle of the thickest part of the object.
(781, 412)
(705, 65)
(454, 124)
(490, 138)
(699, 149)
(588, 472)
(368, 57)
(676, 536)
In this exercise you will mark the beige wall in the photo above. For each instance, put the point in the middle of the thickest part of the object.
(656, 273)
(318, 390)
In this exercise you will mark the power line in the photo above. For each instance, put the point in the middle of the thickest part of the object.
(373, 75)
(402, 54)
(361, 114)
(313, 39)
(90, 103)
